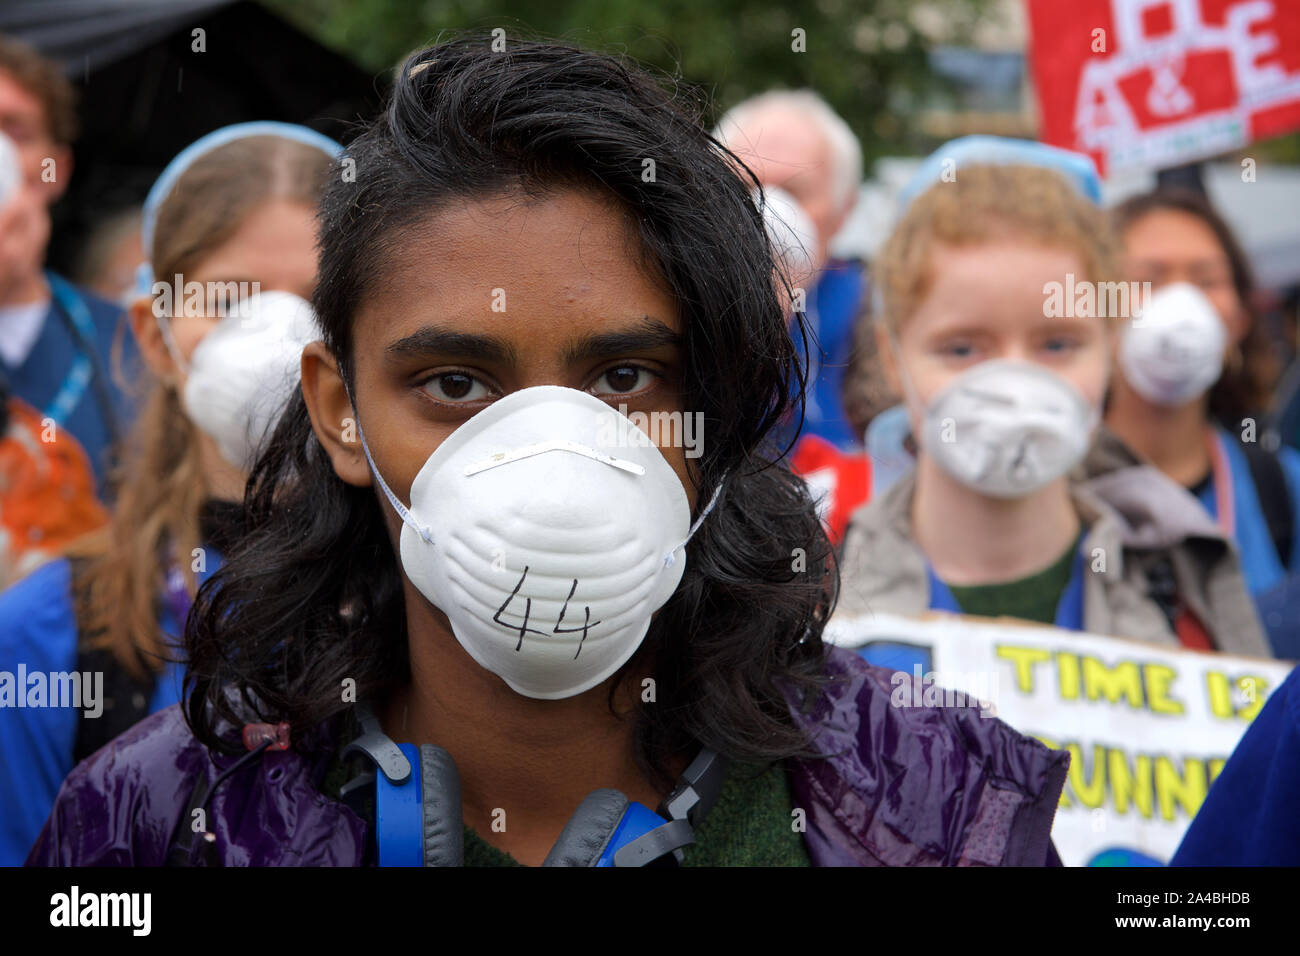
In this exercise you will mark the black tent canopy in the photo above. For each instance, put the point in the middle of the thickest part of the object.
(146, 92)
(96, 32)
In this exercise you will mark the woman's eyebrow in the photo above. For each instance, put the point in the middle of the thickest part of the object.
(648, 334)
(431, 339)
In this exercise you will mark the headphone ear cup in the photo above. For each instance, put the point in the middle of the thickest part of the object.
(444, 831)
(589, 830)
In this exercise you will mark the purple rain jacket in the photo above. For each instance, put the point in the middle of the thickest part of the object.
(903, 786)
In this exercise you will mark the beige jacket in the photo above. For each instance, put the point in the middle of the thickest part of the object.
(1135, 517)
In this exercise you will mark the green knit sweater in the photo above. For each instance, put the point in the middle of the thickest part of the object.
(1031, 598)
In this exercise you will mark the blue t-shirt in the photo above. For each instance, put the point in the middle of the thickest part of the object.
(1249, 817)
(38, 380)
(38, 633)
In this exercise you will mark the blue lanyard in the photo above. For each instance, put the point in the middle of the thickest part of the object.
(79, 376)
(1069, 609)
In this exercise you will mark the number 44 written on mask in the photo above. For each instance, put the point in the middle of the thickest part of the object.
(523, 628)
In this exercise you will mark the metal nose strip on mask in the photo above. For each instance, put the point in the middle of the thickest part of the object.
(669, 559)
(502, 458)
(558, 444)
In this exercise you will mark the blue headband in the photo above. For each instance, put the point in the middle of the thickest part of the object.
(205, 144)
(1078, 169)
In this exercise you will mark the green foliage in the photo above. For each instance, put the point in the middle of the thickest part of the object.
(866, 57)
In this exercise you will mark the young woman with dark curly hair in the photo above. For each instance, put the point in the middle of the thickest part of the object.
(496, 599)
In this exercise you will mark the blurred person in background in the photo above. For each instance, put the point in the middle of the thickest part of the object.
(794, 141)
(1184, 398)
(801, 151)
(1002, 395)
(111, 255)
(47, 488)
(237, 205)
(57, 342)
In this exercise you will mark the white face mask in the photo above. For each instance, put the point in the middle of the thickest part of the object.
(548, 528)
(1172, 350)
(790, 230)
(11, 170)
(1006, 428)
(245, 370)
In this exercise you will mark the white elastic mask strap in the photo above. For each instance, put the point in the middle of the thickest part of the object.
(402, 511)
(169, 340)
(671, 557)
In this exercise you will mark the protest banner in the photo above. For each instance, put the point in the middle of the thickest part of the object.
(1148, 727)
(1157, 83)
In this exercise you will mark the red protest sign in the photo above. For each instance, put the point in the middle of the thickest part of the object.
(1156, 83)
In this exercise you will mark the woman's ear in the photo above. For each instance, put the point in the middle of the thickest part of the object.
(148, 336)
(332, 416)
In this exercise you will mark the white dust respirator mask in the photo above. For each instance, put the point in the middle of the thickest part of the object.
(244, 371)
(1006, 428)
(790, 231)
(1172, 350)
(548, 528)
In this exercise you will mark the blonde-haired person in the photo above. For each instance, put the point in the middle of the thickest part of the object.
(238, 206)
(1003, 392)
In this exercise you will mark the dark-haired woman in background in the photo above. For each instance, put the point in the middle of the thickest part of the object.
(1183, 397)
(465, 625)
